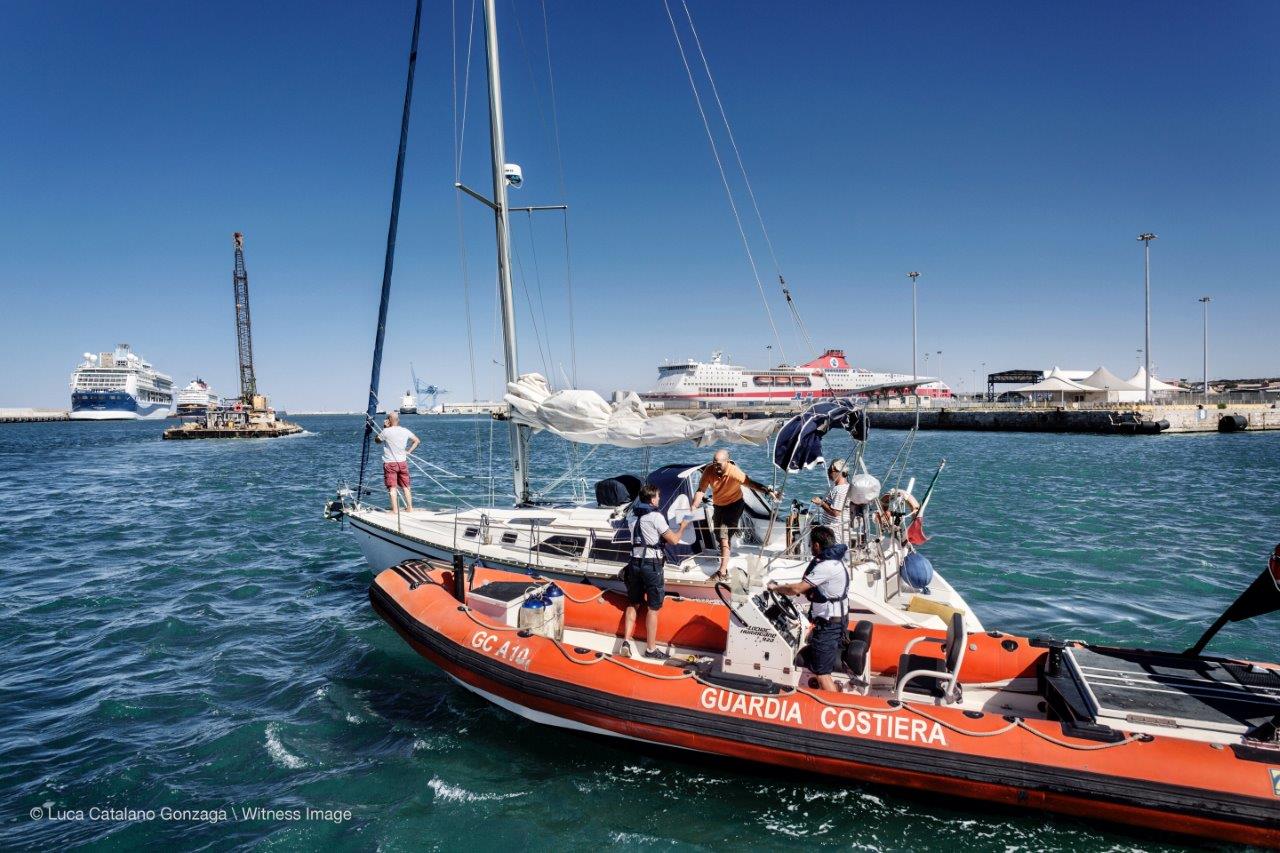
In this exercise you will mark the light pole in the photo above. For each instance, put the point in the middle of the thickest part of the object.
(944, 382)
(1205, 300)
(1146, 237)
(984, 376)
(974, 371)
(915, 375)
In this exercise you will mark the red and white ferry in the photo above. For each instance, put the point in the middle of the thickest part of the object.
(828, 375)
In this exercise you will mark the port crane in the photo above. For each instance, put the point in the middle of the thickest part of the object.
(244, 334)
(423, 390)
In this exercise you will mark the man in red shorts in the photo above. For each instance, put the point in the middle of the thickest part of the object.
(397, 443)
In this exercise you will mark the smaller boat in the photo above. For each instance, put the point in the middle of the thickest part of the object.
(1175, 741)
(408, 404)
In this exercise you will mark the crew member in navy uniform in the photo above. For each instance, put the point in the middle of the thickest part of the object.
(643, 573)
(826, 585)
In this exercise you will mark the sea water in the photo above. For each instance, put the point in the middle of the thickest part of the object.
(188, 658)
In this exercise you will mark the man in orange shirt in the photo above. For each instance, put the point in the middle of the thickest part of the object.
(726, 481)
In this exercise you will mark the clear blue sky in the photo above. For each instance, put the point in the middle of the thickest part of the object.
(1011, 152)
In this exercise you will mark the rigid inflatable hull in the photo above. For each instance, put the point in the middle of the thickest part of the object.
(1163, 783)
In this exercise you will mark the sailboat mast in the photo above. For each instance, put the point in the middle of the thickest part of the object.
(497, 145)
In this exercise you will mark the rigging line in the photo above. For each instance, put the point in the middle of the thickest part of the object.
(746, 180)
(564, 196)
(528, 62)
(460, 127)
(555, 113)
(537, 278)
(533, 315)
(715, 152)
(375, 374)
(568, 278)
(459, 130)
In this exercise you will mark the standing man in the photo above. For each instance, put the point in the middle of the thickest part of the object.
(397, 443)
(646, 583)
(726, 481)
(826, 585)
(832, 507)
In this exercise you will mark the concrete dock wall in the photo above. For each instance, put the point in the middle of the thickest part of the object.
(1127, 419)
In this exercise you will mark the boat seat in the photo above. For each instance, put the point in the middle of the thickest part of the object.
(857, 654)
(936, 677)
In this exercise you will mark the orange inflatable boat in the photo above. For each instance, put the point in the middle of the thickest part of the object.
(1179, 742)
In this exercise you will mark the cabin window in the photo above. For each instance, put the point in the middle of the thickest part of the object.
(508, 539)
(610, 551)
(562, 546)
(471, 532)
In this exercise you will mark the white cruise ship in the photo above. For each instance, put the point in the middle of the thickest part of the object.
(119, 386)
(828, 375)
(196, 399)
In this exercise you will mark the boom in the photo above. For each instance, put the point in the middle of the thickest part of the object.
(244, 335)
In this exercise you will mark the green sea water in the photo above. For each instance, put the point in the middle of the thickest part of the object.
(185, 641)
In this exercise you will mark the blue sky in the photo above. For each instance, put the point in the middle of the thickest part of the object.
(1011, 152)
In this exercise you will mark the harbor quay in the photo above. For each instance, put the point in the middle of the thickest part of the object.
(1085, 418)
(18, 416)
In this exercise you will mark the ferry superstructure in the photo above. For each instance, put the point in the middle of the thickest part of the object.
(196, 399)
(119, 386)
(828, 375)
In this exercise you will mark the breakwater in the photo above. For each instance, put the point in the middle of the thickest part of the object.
(1111, 420)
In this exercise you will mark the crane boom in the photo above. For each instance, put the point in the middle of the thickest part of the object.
(244, 335)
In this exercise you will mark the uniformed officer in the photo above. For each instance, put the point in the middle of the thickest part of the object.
(643, 574)
(826, 585)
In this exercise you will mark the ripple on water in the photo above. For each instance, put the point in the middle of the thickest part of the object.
(179, 628)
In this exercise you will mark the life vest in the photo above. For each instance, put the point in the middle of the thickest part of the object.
(648, 550)
(814, 594)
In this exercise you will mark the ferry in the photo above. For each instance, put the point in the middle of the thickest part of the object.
(196, 399)
(119, 386)
(828, 375)
(408, 404)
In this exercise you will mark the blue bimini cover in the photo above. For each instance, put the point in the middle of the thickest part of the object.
(799, 444)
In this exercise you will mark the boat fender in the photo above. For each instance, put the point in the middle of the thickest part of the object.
(918, 571)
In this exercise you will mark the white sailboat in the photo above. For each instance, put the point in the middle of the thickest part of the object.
(590, 541)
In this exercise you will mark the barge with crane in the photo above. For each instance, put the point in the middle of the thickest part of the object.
(249, 416)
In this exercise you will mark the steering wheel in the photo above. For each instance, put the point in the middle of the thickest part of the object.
(787, 606)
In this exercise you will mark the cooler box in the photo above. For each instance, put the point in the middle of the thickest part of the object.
(501, 600)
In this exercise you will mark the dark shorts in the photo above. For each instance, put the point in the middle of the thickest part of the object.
(395, 474)
(724, 519)
(645, 583)
(822, 655)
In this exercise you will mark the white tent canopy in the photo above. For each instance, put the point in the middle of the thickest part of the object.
(585, 418)
(1140, 379)
(1104, 380)
(1056, 384)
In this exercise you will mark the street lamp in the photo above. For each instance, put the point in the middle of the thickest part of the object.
(944, 382)
(915, 375)
(1205, 300)
(987, 391)
(1146, 237)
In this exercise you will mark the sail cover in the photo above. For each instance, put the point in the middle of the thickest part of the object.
(800, 441)
(584, 417)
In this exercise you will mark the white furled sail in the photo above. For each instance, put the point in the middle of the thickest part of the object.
(585, 418)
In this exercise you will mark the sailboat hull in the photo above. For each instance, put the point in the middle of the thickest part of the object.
(386, 539)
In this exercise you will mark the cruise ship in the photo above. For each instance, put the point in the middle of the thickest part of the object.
(828, 375)
(119, 386)
(196, 399)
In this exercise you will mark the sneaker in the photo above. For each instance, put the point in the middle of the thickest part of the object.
(625, 650)
(656, 654)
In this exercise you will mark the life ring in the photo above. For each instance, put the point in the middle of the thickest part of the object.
(889, 498)
(239, 407)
